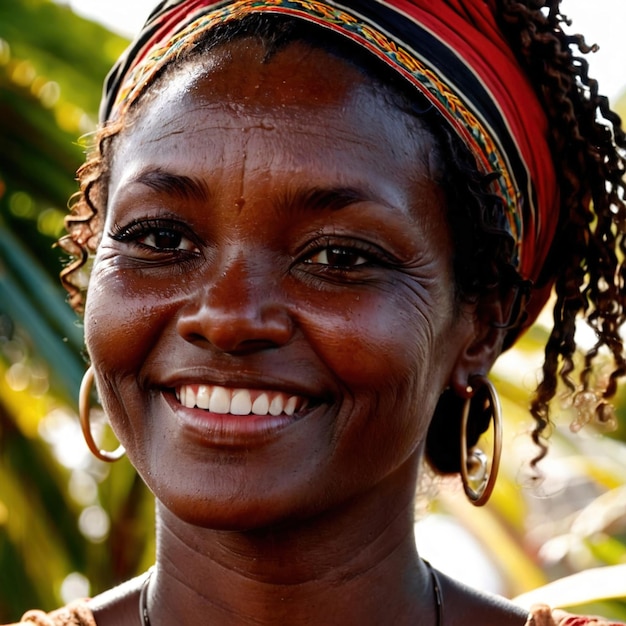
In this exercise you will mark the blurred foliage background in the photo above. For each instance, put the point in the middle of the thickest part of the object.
(71, 526)
(68, 524)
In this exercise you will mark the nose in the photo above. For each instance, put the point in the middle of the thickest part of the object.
(236, 311)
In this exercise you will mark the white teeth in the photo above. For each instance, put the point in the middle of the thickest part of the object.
(290, 407)
(188, 397)
(276, 405)
(220, 400)
(261, 405)
(223, 400)
(203, 397)
(241, 404)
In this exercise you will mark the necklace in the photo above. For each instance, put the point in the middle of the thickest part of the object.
(145, 617)
(436, 590)
(143, 600)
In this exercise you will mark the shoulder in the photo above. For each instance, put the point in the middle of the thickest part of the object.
(542, 615)
(460, 601)
(120, 605)
(497, 611)
(115, 607)
(75, 614)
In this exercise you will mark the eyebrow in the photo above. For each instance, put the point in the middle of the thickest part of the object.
(319, 198)
(185, 187)
(310, 199)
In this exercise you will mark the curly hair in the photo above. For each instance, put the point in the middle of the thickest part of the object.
(586, 259)
(585, 265)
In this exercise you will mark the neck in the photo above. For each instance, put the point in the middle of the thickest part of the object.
(355, 565)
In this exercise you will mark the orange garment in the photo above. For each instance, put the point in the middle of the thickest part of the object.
(74, 614)
(543, 616)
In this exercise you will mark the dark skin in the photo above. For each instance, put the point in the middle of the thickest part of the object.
(276, 233)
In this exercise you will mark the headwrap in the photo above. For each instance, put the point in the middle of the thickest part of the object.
(451, 51)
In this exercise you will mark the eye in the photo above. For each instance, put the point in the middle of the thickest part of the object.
(339, 257)
(166, 239)
(156, 235)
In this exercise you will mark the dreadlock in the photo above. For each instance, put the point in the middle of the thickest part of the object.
(586, 261)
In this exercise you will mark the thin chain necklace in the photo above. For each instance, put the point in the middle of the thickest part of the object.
(145, 617)
(436, 590)
(143, 600)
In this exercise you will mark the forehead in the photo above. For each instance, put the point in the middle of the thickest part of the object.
(310, 109)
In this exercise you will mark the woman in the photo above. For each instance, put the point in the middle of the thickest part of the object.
(315, 228)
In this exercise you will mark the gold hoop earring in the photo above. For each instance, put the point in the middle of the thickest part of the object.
(486, 474)
(85, 423)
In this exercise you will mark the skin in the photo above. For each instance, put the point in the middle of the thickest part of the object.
(310, 255)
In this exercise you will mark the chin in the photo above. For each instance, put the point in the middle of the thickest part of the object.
(226, 517)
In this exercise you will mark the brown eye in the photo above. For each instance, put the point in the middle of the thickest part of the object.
(164, 239)
(157, 235)
(336, 256)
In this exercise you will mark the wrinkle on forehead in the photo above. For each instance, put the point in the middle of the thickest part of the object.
(238, 75)
(302, 119)
(236, 91)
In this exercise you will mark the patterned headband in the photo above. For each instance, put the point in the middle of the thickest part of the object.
(451, 51)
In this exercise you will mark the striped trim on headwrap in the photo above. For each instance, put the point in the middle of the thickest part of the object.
(452, 51)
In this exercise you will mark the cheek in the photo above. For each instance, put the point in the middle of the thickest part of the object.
(114, 333)
(383, 353)
(381, 341)
(390, 352)
(123, 317)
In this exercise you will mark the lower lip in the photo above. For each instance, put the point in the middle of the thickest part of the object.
(226, 429)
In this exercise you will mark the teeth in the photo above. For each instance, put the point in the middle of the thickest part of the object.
(222, 400)
(290, 407)
(261, 405)
(276, 405)
(188, 397)
(203, 397)
(241, 403)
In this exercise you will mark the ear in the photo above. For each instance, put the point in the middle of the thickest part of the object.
(487, 326)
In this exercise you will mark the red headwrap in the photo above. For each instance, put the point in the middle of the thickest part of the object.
(452, 51)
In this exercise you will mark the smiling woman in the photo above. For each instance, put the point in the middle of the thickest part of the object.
(300, 285)
(312, 287)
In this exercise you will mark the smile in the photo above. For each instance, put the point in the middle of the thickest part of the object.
(225, 400)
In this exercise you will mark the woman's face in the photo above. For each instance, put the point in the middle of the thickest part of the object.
(275, 252)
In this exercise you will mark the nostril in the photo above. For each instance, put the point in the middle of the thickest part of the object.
(254, 345)
(237, 330)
